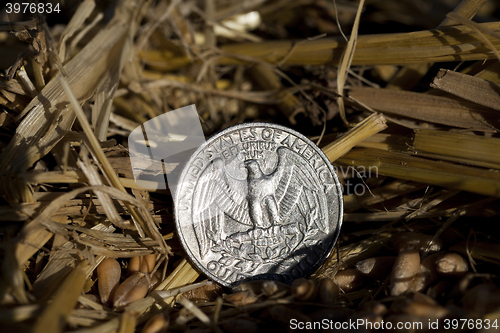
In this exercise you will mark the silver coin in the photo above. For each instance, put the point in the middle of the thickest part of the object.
(258, 201)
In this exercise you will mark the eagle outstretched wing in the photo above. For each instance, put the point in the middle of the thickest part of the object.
(215, 196)
(297, 184)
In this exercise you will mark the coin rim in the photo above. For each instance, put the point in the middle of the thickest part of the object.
(233, 128)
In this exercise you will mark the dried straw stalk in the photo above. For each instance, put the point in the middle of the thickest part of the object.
(400, 165)
(457, 43)
(408, 76)
(368, 127)
(461, 147)
(430, 108)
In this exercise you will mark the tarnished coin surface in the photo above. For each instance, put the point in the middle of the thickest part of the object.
(258, 201)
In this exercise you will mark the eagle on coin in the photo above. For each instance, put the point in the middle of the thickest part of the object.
(260, 215)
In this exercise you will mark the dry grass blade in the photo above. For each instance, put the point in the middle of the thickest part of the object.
(43, 218)
(149, 228)
(47, 118)
(468, 87)
(195, 310)
(62, 260)
(391, 216)
(94, 180)
(394, 189)
(345, 63)
(82, 13)
(480, 31)
(429, 108)
(34, 240)
(64, 301)
(402, 166)
(490, 73)
(128, 321)
(71, 177)
(266, 97)
(105, 243)
(431, 204)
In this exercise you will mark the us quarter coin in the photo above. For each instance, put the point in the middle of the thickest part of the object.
(258, 201)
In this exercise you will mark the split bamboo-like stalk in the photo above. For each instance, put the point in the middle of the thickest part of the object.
(468, 87)
(368, 127)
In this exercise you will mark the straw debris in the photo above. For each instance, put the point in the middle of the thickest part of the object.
(405, 107)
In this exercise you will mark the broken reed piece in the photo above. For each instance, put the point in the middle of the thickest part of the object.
(366, 128)
(144, 264)
(108, 278)
(134, 288)
(468, 87)
(404, 270)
